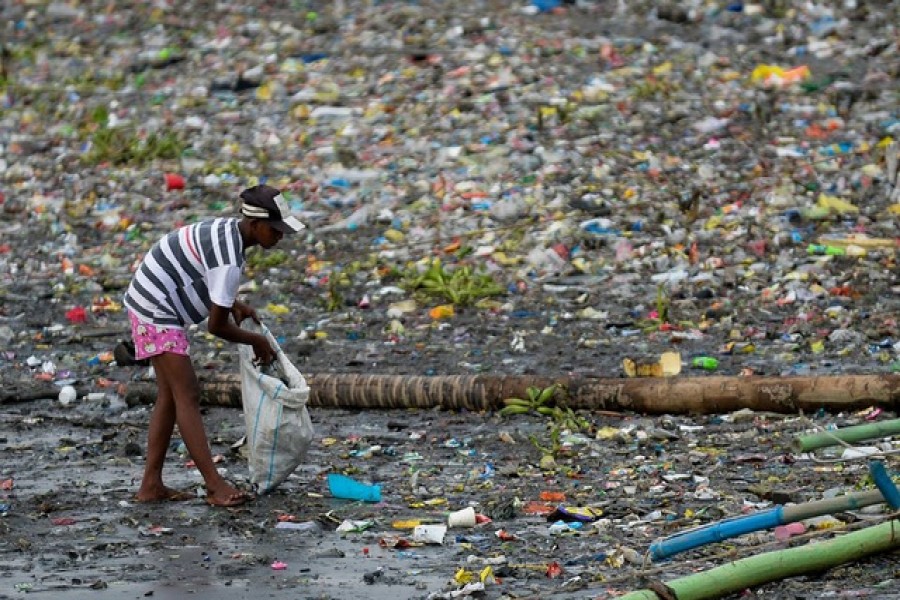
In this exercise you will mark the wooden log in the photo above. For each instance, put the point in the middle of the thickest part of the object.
(698, 395)
(718, 394)
(27, 391)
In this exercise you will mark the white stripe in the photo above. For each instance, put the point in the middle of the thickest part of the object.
(254, 212)
(170, 254)
(162, 303)
(154, 268)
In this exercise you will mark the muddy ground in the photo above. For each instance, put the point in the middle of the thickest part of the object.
(71, 529)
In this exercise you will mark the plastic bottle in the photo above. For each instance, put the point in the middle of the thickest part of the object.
(836, 149)
(305, 526)
(707, 363)
(826, 250)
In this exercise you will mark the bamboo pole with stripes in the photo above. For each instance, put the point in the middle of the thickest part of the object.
(675, 395)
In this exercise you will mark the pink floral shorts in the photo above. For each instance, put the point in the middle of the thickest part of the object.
(150, 340)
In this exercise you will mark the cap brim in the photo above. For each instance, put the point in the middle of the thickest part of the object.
(288, 225)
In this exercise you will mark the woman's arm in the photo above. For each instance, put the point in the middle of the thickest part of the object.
(223, 327)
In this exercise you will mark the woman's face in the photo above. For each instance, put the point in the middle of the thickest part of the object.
(266, 235)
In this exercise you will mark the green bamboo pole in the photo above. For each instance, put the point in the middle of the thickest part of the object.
(781, 564)
(857, 433)
(797, 512)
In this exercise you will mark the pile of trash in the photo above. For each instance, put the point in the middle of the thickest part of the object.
(721, 178)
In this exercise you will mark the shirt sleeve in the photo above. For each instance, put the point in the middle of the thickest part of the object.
(223, 283)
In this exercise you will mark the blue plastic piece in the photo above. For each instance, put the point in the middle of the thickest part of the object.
(884, 483)
(347, 488)
(716, 532)
(546, 5)
(594, 227)
(313, 57)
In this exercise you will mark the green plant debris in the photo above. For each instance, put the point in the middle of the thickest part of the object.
(461, 285)
(124, 146)
(266, 260)
(333, 297)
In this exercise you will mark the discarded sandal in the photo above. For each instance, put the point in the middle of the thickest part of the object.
(124, 355)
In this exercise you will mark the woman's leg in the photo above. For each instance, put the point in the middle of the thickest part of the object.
(177, 373)
(159, 434)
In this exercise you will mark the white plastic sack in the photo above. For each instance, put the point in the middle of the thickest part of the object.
(279, 430)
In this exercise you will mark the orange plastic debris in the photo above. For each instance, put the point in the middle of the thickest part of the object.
(443, 311)
(537, 508)
(554, 570)
(452, 246)
(549, 496)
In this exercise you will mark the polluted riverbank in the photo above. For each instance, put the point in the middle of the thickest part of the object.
(539, 190)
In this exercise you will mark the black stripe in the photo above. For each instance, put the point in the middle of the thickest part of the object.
(237, 257)
(206, 245)
(168, 310)
(168, 318)
(185, 260)
(203, 292)
(140, 310)
(151, 276)
(191, 311)
(144, 292)
(219, 241)
(164, 321)
(222, 234)
(168, 268)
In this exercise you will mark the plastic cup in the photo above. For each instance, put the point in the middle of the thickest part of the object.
(462, 518)
(429, 534)
(174, 181)
(345, 487)
(67, 395)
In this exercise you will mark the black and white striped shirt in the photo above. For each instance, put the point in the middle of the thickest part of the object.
(187, 271)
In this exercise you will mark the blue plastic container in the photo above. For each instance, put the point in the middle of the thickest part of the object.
(546, 5)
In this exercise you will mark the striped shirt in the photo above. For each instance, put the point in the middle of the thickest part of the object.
(187, 271)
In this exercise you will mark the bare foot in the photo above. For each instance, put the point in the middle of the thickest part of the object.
(162, 493)
(226, 495)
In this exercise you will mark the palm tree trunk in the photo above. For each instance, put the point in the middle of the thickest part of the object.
(700, 395)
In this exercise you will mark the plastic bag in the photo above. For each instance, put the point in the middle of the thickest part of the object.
(279, 430)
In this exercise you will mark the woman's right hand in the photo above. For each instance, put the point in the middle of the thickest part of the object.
(263, 350)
